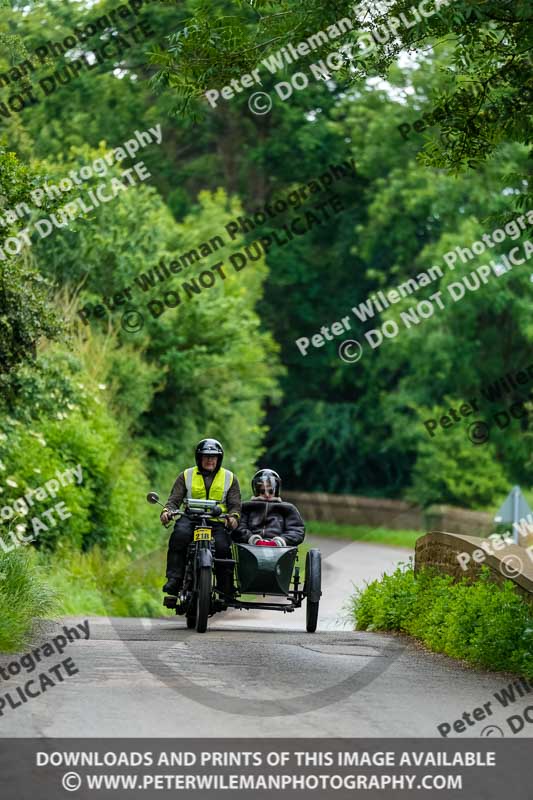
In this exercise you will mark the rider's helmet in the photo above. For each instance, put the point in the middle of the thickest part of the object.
(266, 478)
(209, 447)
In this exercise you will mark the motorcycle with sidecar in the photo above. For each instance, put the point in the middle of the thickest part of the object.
(257, 570)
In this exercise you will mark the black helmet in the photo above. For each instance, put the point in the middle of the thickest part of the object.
(209, 447)
(269, 478)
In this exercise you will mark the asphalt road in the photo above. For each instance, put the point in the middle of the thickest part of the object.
(257, 674)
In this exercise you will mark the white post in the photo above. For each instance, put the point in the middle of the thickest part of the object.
(516, 500)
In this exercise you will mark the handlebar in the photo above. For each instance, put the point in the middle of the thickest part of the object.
(194, 509)
(194, 514)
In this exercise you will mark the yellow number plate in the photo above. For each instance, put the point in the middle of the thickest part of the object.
(201, 534)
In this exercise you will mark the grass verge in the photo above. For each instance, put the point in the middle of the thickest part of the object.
(486, 624)
(364, 533)
(24, 596)
(108, 584)
(70, 583)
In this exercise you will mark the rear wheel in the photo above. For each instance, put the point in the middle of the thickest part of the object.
(313, 584)
(203, 599)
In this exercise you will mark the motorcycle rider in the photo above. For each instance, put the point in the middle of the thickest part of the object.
(267, 517)
(207, 480)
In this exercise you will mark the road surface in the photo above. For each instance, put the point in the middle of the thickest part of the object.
(258, 674)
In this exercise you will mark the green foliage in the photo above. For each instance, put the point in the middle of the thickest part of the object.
(109, 400)
(450, 468)
(484, 623)
(403, 219)
(25, 313)
(24, 596)
(218, 365)
(67, 416)
(207, 342)
(211, 366)
(341, 427)
(216, 44)
(484, 82)
(94, 583)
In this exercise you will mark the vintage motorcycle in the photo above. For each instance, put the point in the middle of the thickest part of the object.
(257, 570)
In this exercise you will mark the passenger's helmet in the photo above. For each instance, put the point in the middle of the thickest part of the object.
(209, 447)
(269, 478)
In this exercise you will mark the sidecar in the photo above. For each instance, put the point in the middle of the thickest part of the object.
(258, 570)
(275, 571)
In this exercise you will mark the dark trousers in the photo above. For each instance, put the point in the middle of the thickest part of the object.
(177, 551)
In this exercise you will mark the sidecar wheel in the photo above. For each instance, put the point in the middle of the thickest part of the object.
(313, 589)
(311, 616)
(203, 601)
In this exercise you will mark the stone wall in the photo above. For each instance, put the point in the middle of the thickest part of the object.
(458, 520)
(346, 509)
(440, 549)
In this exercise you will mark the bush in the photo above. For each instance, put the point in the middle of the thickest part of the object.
(69, 412)
(92, 583)
(450, 469)
(484, 623)
(23, 596)
(27, 314)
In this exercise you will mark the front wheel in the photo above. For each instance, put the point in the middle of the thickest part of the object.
(313, 588)
(203, 598)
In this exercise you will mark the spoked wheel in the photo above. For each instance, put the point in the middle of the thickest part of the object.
(203, 599)
(313, 590)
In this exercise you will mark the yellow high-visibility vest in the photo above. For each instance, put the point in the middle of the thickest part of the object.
(195, 486)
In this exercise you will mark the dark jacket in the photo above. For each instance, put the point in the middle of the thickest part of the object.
(269, 519)
(179, 492)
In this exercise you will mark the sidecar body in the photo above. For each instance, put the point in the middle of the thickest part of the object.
(270, 571)
(264, 570)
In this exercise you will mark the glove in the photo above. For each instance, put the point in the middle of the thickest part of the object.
(232, 523)
(165, 516)
(280, 541)
(254, 539)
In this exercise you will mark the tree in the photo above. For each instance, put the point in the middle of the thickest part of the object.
(486, 83)
(25, 313)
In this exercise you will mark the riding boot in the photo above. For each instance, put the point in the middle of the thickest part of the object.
(173, 585)
(175, 572)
